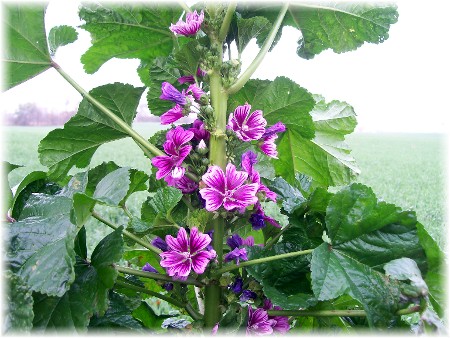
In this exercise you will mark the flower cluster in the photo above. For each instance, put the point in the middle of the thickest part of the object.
(186, 253)
(250, 126)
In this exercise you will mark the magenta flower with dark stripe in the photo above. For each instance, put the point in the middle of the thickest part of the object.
(268, 145)
(247, 125)
(280, 324)
(258, 322)
(196, 91)
(186, 253)
(200, 133)
(172, 115)
(185, 184)
(190, 78)
(227, 189)
(177, 150)
(191, 26)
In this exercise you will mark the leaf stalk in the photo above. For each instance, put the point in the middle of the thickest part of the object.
(158, 276)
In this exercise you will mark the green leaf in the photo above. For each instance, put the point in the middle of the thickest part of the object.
(199, 218)
(113, 188)
(60, 36)
(19, 311)
(117, 316)
(271, 209)
(7, 193)
(138, 182)
(165, 200)
(88, 294)
(61, 149)
(325, 158)
(160, 70)
(290, 196)
(139, 257)
(41, 248)
(188, 57)
(26, 52)
(139, 227)
(147, 316)
(95, 175)
(341, 27)
(406, 269)
(251, 28)
(280, 100)
(365, 234)
(127, 32)
(284, 281)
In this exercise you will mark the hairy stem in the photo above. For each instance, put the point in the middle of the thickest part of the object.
(262, 53)
(127, 234)
(263, 260)
(227, 21)
(158, 276)
(122, 124)
(334, 313)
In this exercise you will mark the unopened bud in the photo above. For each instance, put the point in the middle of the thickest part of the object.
(202, 149)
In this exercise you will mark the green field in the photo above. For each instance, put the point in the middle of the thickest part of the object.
(405, 169)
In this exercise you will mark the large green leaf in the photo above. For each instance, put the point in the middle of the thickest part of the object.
(249, 29)
(127, 32)
(60, 36)
(61, 149)
(326, 158)
(7, 193)
(162, 203)
(41, 249)
(364, 235)
(88, 295)
(19, 312)
(280, 100)
(26, 52)
(340, 26)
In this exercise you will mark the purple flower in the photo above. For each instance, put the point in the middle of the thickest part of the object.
(258, 219)
(258, 322)
(168, 286)
(186, 253)
(247, 126)
(236, 255)
(237, 285)
(268, 145)
(215, 329)
(160, 243)
(280, 324)
(170, 93)
(200, 133)
(235, 241)
(250, 241)
(148, 268)
(190, 78)
(227, 188)
(172, 115)
(196, 91)
(246, 295)
(185, 184)
(191, 26)
(177, 151)
(248, 159)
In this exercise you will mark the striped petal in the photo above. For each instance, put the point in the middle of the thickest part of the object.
(180, 243)
(234, 178)
(215, 178)
(213, 198)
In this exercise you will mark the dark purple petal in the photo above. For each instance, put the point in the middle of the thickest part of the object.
(170, 93)
(267, 304)
(278, 127)
(236, 255)
(281, 324)
(237, 285)
(185, 184)
(258, 322)
(180, 243)
(164, 165)
(168, 286)
(201, 72)
(247, 295)
(198, 241)
(248, 160)
(148, 268)
(172, 115)
(250, 241)
(186, 79)
(235, 241)
(160, 243)
(213, 198)
(215, 178)
(257, 221)
(200, 260)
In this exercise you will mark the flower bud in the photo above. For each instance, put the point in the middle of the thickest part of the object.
(202, 149)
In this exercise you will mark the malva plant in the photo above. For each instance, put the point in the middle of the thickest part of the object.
(252, 223)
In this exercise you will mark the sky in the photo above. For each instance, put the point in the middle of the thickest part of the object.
(397, 86)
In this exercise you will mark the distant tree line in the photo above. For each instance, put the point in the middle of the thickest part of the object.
(30, 114)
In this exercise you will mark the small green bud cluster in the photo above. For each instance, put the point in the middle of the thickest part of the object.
(230, 71)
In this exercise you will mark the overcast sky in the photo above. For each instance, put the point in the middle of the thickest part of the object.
(399, 85)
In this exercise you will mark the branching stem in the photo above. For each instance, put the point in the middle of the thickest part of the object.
(227, 21)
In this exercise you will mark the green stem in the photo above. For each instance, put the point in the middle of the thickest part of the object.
(277, 236)
(127, 234)
(334, 313)
(158, 276)
(122, 124)
(185, 7)
(262, 53)
(151, 293)
(263, 260)
(227, 21)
